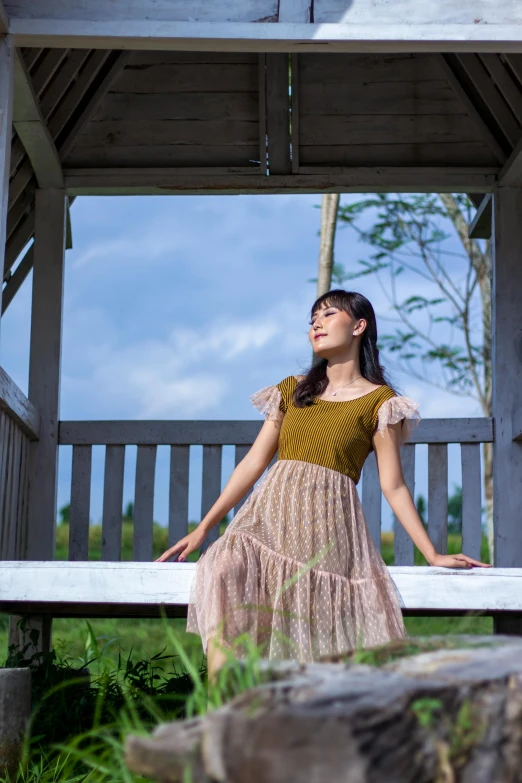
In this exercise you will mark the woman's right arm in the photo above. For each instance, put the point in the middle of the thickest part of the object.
(244, 476)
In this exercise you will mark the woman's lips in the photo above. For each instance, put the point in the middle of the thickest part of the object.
(317, 336)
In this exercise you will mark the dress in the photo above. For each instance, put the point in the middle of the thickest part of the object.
(297, 569)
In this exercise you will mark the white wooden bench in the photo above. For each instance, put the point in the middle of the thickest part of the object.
(130, 589)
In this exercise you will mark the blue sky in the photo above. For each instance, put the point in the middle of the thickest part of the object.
(180, 308)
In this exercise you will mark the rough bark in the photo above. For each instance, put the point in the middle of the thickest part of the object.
(446, 716)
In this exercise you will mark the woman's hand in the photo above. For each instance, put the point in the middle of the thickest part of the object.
(184, 546)
(457, 561)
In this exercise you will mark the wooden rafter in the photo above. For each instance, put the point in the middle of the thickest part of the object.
(448, 66)
(33, 132)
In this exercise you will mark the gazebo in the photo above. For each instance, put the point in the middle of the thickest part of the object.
(248, 96)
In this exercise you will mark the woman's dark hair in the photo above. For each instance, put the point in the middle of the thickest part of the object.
(358, 306)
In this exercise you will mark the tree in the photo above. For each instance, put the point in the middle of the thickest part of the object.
(65, 514)
(442, 334)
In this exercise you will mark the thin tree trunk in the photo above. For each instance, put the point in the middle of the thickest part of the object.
(329, 209)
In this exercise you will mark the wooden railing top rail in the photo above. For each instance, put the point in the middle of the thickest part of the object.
(235, 432)
(14, 402)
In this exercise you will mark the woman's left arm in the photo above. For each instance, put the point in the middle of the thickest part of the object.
(394, 489)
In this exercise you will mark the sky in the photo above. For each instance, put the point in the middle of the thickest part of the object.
(181, 307)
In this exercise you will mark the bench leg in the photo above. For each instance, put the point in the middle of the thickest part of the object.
(510, 624)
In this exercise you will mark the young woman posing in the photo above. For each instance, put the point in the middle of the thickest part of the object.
(297, 569)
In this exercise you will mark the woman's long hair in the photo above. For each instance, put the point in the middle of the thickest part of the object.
(357, 306)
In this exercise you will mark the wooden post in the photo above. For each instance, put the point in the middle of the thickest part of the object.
(506, 385)
(6, 115)
(44, 378)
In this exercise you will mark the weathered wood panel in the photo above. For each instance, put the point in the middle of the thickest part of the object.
(438, 496)
(178, 493)
(163, 11)
(44, 368)
(372, 498)
(402, 544)
(94, 587)
(188, 106)
(211, 490)
(6, 114)
(234, 432)
(180, 155)
(465, 153)
(444, 12)
(112, 502)
(188, 77)
(14, 402)
(145, 133)
(471, 499)
(13, 487)
(80, 503)
(144, 502)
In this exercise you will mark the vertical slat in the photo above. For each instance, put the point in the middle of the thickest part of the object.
(402, 543)
(80, 503)
(240, 453)
(20, 513)
(295, 114)
(277, 113)
(144, 502)
(12, 500)
(211, 488)
(438, 496)
(178, 493)
(371, 498)
(262, 111)
(112, 502)
(471, 499)
(4, 435)
(6, 487)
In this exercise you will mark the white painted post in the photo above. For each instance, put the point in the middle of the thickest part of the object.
(44, 377)
(507, 386)
(6, 118)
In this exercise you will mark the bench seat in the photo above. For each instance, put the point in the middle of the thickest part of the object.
(131, 589)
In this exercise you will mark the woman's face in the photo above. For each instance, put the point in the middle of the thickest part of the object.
(332, 330)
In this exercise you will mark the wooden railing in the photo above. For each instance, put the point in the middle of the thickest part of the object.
(19, 424)
(213, 435)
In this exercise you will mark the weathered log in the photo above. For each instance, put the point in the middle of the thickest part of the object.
(442, 716)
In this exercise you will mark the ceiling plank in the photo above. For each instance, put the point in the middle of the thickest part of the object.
(471, 109)
(490, 95)
(480, 226)
(33, 132)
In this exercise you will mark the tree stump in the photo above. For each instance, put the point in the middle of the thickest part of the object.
(442, 716)
(15, 712)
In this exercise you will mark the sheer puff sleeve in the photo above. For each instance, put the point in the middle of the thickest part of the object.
(268, 401)
(396, 409)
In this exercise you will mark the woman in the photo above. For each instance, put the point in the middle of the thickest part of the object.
(297, 569)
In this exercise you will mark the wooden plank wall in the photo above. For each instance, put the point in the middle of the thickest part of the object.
(380, 110)
(14, 451)
(177, 109)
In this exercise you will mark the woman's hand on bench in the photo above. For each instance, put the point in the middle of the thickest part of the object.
(457, 561)
(184, 546)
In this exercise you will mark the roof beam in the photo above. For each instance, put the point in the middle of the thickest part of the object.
(480, 226)
(4, 20)
(511, 172)
(33, 132)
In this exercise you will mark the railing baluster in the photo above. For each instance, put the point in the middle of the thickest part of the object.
(112, 502)
(471, 500)
(211, 488)
(371, 498)
(7, 470)
(438, 496)
(178, 493)
(12, 499)
(80, 503)
(4, 443)
(240, 453)
(21, 526)
(144, 502)
(402, 543)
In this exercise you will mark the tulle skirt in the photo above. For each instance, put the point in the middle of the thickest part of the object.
(296, 571)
